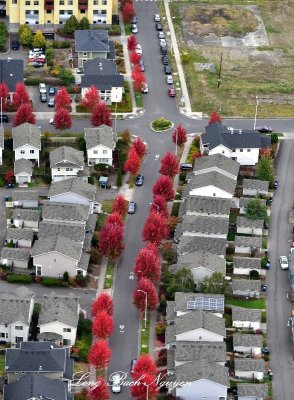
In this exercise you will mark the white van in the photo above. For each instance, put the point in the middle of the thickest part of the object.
(116, 388)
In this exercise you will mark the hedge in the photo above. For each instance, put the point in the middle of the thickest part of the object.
(33, 81)
(54, 282)
(18, 278)
(64, 44)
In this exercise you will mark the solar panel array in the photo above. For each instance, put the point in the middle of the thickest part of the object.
(206, 304)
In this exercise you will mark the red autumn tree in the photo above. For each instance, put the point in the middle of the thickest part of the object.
(140, 147)
(128, 12)
(159, 205)
(9, 176)
(148, 263)
(20, 96)
(62, 119)
(146, 382)
(111, 240)
(155, 228)
(102, 303)
(101, 115)
(180, 136)
(135, 58)
(99, 354)
(145, 365)
(138, 78)
(120, 205)
(132, 42)
(103, 325)
(139, 297)
(62, 99)
(24, 114)
(124, 2)
(114, 218)
(133, 162)
(4, 92)
(99, 391)
(169, 165)
(91, 98)
(214, 117)
(164, 187)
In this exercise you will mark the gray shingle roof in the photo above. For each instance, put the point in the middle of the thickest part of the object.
(73, 185)
(73, 232)
(255, 184)
(197, 259)
(103, 135)
(15, 254)
(246, 284)
(23, 166)
(14, 307)
(211, 179)
(248, 241)
(207, 205)
(26, 215)
(24, 292)
(200, 320)
(91, 222)
(18, 195)
(84, 261)
(170, 359)
(201, 225)
(247, 262)
(246, 314)
(103, 82)
(16, 233)
(243, 201)
(170, 310)
(65, 212)
(243, 222)
(182, 298)
(217, 133)
(26, 134)
(61, 309)
(170, 334)
(247, 340)
(249, 364)
(66, 156)
(212, 245)
(91, 40)
(217, 161)
(253, 390)
(198, 351)
(6, 66)
(58, 244)
(100, 66)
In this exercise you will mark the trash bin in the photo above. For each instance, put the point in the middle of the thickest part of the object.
(6, 198)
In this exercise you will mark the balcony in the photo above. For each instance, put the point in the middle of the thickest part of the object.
(83, 4)
(49, 5)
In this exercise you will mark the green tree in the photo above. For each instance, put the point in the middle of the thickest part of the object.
(265, 169)
(256, 210)
(84, 24)
(3, 34)
(71, 25)
(274, 138)
(39, 39)
(25, 35)
(66, 76)
(181, 281)
(214, 284)
(49, 56)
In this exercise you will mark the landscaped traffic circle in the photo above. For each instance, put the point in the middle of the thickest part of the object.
(161, 125)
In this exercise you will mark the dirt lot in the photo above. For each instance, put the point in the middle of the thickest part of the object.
(259, 63)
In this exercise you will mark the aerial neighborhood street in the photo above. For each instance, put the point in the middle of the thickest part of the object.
(146, 200)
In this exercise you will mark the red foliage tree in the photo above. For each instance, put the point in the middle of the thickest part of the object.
(99, 354)
(140, 147)
(144, 365)
(146, 382)
(4, 92)
(91, 98)
(62, 119)
(101, 115)
(124, 2)
(139, 297)
(128, 12)
(148, 263)
(132, 42)
(135, 58)
(62, 99)
(159, 205)
(133, 162)
(138, 78)
(120, 205)
(155, 228)
(20, 96)
(9, 176)
(103, 325)
(180, 136)
(164, 187)
(99, 391)
(214, 117)
(114, 218)
(24, 114)
(169, 165)
(111, 240)
(102, 303)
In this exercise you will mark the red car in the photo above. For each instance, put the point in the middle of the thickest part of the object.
(172, 92)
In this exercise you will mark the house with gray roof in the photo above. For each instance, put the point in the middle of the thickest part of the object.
(246, 318)
(213, 352)
(186, 302)
(20, 237)
(67, 162)
(242, 145)
(255, 187)
(244, 265)
(247, 244)
(59, 316)
(252, 391)
(27, 142)
(190, 244)
(217, 163)
(15, 258)
(35, 386)
(205, 206)
(250, 368)
(25, 198)
(100, 143)
(1, 142)
(65, 213)
(70, 231)
(246, 288)
(8, 65)
(54, 255)
(42, 358)
(23, 171)
(248, 226)
(244, 201)
(247, 343)
(16, 310)
(24, 218)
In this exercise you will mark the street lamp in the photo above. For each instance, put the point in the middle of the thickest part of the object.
(146, 299)
(156, 205)
(256, 108)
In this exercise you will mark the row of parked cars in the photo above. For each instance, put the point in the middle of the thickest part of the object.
(43, 94)
(37, 57)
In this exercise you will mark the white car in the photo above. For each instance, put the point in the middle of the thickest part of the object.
(156, 17)
(51, 121)
(134, 28)
(138, 49)
(42, 88)
(144, 88)
(169, 79)
(116, 387)
(284, 262)
(162, 42)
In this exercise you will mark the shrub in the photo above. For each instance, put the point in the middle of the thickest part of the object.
(274, 138)
(119, 177)
(33, 81)
(101, 167)
(160, 328)
(91, 180)
(81, 108)
(169, 255)
(18, 278)
(54, 282)
(264, 261)
(65, 276)
(114, 30)
(175, 209)
(81, 280)
(161, 124)
(254, 274)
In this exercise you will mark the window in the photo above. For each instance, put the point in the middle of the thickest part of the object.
(66, 329)
(38, 270)
(83, 11)
(241, 150)
(104, 152)
(223, 152)
(248, 150)
(70, 2)
(36, 3)
(61, 12)
(221, 398)
(28, 3)
(103, 12)
(85, 54)
(58, 169)
(95, 2)
(22, 152)
(68, 169)
(61, 3)
(54, 260)
(19, 339)
(104, 2)
(32, 151)
(2, 334)
(18, 327)
(95, 151)
(14, 1)
(233, 150)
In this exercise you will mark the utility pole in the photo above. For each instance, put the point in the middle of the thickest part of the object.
(220, 70)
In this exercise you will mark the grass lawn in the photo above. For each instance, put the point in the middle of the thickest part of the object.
(139, 100)
(107, 206)
(84, 344)
(109, 275)
(254, 303)
(2, 365)
(145, 336)
(126, 104)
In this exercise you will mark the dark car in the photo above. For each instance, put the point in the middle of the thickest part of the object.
(167, 70)
(43, 97)
(163, 50)
(264, 129)
(51, 102)
(133, 363)
(266, 351)
(134, 19)
(158, 26)
(172, 92)
(132, 207)
(165, 60)
(52, 91)
(15, 44)
(140, 180)
(186, 167)
(9, 185)
(4, 118)
(37, 64)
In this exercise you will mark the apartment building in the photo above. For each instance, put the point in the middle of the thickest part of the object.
(50, 14)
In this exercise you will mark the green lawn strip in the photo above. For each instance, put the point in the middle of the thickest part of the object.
(2, 364)
(107, 206)
(126, 104)
(254, 303)
(109, 275)
(144, 337)
(84, 341)
(139, 100)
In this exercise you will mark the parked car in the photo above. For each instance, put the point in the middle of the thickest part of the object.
(276, 183)
(140, 180)
(9, 185)
(43, 97)
(132, 207)
(266, 351)
(42, 88)
(264, 129)
(142, 65)
(116, 384)
(37, 64)
(264, 288)
(51, 102)
(172, 92)
(160, 35)
(145, 88)
(162, 43)
(134, 19)
(186, 167)
(4, 118)
(158, 27)
(163, 50)
(52, 91)
(134, 28)
(165, 60)
(169, 79)
(156, 17)
(51, 121)
(15, 44)
(284, 262)
(167, 70)
(138, 49)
